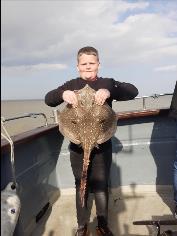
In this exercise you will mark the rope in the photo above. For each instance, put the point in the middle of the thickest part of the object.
(8, 138)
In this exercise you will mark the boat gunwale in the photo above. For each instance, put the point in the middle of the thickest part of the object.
(27, 136)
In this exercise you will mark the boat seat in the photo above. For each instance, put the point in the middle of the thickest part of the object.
(157, 224)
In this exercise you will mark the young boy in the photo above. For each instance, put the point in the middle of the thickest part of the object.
(100, 161)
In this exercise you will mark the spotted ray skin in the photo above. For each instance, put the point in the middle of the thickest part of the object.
(88, 124)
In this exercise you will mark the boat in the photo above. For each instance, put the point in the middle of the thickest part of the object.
(36, 163)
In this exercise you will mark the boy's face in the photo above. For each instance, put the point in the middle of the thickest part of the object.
(88, 66)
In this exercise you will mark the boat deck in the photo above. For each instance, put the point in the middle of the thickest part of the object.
(144, 148)
(124, 208)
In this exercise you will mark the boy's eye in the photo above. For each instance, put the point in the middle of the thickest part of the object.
(84, 64)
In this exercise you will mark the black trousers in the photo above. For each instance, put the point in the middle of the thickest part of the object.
(98, 180)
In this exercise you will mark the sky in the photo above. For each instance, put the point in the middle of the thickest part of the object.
(136, 40)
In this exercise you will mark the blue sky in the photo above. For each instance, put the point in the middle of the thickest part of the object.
(137, 43)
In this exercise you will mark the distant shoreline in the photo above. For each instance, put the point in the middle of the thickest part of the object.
(42, 99)
(30, 99)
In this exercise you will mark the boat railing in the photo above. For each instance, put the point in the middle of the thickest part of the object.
(154, 96)
(5, 134)
(142, 111)
(146, 98)
(55, 116)
(26, 115)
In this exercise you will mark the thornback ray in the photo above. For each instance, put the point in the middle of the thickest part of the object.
(88, 124)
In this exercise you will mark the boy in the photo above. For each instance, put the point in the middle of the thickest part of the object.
(101, 158)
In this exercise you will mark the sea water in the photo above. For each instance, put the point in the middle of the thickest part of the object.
(15, 108)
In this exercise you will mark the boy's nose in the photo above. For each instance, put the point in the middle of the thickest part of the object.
(88, 66)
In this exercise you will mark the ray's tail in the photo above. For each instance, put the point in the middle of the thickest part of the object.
(83, 184)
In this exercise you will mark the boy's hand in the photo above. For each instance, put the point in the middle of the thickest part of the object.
(70, 97)
(101, 95)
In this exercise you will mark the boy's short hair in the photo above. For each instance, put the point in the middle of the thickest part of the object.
(87, 50)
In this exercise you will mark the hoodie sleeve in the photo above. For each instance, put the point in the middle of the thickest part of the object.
(123, 91)
(55, 97)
